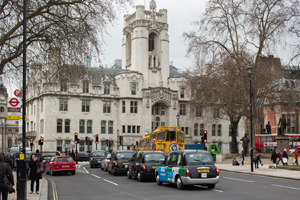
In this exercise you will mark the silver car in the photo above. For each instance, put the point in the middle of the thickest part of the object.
(105, 161)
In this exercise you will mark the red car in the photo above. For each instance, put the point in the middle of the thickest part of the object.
(60, 164)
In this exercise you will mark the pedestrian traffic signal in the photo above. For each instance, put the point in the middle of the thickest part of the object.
(31, 141)
(109, 144)
(97, 138)
(121, 140)
(205, 136)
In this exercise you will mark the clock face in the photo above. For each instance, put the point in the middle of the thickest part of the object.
(1, 109)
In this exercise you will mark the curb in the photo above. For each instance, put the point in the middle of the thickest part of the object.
(290, 178)
(44, 190)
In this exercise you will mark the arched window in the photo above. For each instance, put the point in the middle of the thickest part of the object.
(133, 89)
(151, 41)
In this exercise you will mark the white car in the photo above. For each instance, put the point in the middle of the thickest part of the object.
(105, 161)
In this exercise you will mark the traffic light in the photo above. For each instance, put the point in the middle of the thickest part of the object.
(106, 142)
(31, 142)
(76, 137)
(42, 140)
(97, 138)
(109, 143)
(205, 136)
(121, 140)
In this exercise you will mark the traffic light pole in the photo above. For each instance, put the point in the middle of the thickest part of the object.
(76, 154)
(96, 146)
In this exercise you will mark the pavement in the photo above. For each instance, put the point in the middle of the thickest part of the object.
(43, 195)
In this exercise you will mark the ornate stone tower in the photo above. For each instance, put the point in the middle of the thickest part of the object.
(145, 46)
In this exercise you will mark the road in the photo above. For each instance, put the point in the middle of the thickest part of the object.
(93, 183)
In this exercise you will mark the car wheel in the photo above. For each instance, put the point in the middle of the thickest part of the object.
(51, 172)
(211, 186)
(91, 166)
(73, 172)
(179, 183)
(105, 169)
(157, 180)
(128, 175)
(139, 177)
(113, 172)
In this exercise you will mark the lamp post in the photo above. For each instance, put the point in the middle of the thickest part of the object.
(177, 117)
(249, 69)
(2, 137)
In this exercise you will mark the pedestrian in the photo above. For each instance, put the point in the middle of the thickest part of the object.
(33, 175)
(8, 159)
(296, 156)
(38, 155)
(242, 157)
(257, 159)
(69, 153)
(15, 161)
(57, 153)
(73, 154)
(5, 170)
(280, 157)
(285, 157)
(274, 159)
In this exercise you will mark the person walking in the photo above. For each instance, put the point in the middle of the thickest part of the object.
(257, 159)
(38, 155)
(279, 157)
(274, 159)
(242, 157)
(285, 157)
(296, 156)
(5, 170)
(33, 175)
(8, 159)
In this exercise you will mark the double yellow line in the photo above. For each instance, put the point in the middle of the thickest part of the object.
(53, 189)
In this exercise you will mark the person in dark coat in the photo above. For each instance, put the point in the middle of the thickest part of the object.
(8, 159)
(5, 170)
(274, 159)
(257, 159)
(33, 176)
(284, 155)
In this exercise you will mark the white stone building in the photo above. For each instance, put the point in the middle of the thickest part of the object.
(128, 100)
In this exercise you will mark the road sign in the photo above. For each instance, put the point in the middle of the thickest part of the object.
(69, 146)
(13, 103)
(14, 117)
(17, 92)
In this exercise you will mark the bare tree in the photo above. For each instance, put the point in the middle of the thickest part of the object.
(232, 35)
(74, 27)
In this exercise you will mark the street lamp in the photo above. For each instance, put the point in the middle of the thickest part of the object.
(177, 117)
(249, 69)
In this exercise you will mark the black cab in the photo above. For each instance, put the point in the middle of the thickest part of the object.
(144, 163)
(119, 161)
(96, 157)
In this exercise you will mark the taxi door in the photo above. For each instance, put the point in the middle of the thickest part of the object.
(172, 167)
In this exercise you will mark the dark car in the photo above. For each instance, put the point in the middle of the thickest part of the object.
(96, 157)
(188, 167)
(119, 161)
(83, 156)
(46, 158)
(144, 163)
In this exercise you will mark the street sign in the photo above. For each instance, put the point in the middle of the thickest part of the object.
(17, 92)
(13, 103)
(14, 117)
(69, 146)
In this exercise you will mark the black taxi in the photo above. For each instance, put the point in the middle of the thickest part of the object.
(119, 161)
(96, 157)
(144, 163)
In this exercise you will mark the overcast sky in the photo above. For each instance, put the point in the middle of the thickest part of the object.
(181, 14)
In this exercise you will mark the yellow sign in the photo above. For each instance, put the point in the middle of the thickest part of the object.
(21, 157)
(15, 117)
(25, 118)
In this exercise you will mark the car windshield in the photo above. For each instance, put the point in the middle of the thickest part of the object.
(83, 154)
(154, 157)
(101, 153)
(64, 159)
(198, 158)
(124, 155)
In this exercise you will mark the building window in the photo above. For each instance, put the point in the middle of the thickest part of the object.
(81, 145)
(81, 126)
(34, 109)
(63, 87)
(133, 106)
(151, 41)
(123, 129)
(59, 125)
(89, 126)
(85, 106)
(85, 88)
(67, 126)
(219, 130)
(181, 93)
(123, 106)
(103, 127)
(42, 126)
(290, 123)
(67, 142)
(133, 129)
(182, 109)
(128, 129)
(217, 113)
(42, 105)
(220, 147)
(186, 130)
(138, 129)
(63, 104)
(110, 127)
(195, 129)
(31, 109)
(198, 112)
(106, 107)
(103, 145)
(133, 89)
(59, 145)
(106, 89)
(201, 129)
(213, 130)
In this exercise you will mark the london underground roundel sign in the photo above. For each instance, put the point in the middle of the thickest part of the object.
(14, 103)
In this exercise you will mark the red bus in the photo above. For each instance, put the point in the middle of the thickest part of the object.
(267, 143)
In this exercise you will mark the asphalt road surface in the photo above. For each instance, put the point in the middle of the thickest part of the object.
(93, 183)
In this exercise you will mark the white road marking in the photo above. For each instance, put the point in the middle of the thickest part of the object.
(110, 182)
(96, 176)
(86, 170)
(286, 187)
(206, 187)
(217, 190)
(239, 179)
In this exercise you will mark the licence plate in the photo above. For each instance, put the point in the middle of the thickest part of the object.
(66, 166)
(125, 163)
(203, 170)
(203, 175)
(98, 159)
(154, 167)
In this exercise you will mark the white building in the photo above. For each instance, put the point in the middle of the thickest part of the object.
(128, 100)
